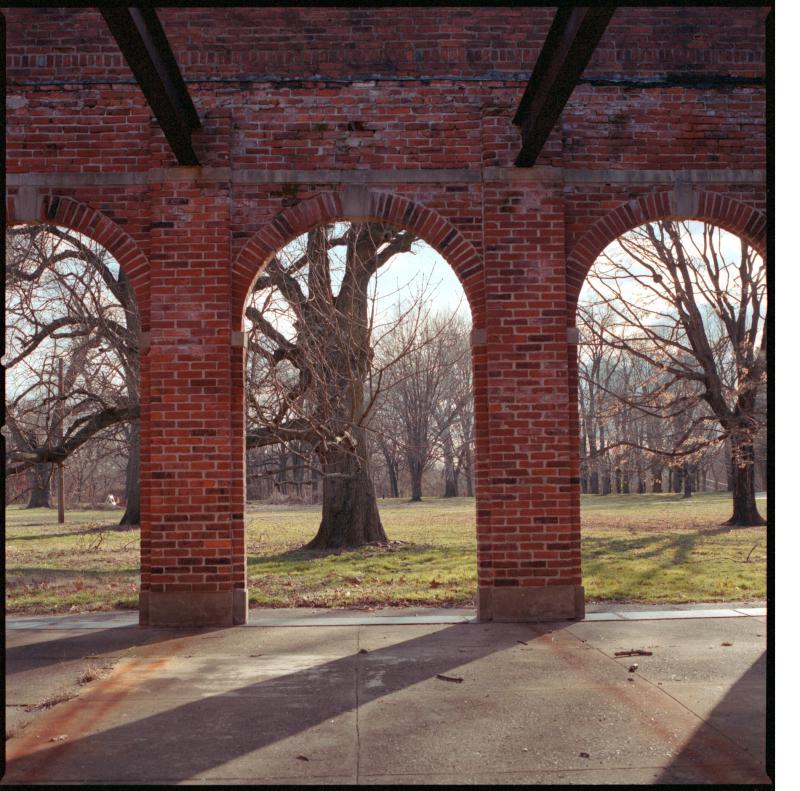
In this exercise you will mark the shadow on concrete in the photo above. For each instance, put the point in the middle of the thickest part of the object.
(193, 738)
(740, 718)
(96, 642)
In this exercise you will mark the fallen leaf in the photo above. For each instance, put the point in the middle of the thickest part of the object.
(522, 642)
(302, 758)
(455, 679)
(726, 643)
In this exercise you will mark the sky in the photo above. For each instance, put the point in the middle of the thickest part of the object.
(423, 267)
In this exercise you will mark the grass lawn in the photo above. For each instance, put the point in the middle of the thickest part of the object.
(637, 548)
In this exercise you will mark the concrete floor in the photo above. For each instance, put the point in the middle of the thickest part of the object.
(361, 702)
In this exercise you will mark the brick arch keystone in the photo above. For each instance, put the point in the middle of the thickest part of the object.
(681, 203)
(360, 203)
(90, 222)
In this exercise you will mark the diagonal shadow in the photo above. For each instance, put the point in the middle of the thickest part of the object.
(44, 571)
(106, 642)
(195, 737)
(81, 531)
(739, 719)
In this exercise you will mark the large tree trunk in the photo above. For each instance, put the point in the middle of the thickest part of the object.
(745, 511)
(132, 488)
(40, 475)
(350, 515)
(729, 466)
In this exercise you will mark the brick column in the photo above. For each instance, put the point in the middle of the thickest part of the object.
(193, 509)
(529, 554)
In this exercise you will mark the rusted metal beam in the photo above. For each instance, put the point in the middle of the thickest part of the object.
(144, 44)
(570, 42)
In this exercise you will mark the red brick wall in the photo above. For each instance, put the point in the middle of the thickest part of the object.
(669, 115)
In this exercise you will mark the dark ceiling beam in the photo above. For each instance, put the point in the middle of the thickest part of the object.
(573, 37)
(142, 40)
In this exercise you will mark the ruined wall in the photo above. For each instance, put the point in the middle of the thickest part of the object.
(401, 114)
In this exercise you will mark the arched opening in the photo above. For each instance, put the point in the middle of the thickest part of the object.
(73, 328)
(671, 383)
(359, 420)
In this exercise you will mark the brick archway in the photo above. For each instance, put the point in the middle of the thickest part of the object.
(676, 204)
(66, 212)
(88, 221)
(680, 203)
(360, 204)
(429, 145)
(357, 204)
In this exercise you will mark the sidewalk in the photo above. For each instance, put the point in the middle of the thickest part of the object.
(380, 701)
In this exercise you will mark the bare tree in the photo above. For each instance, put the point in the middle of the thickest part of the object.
(452, 413)
(312, 373)
(419, 390)
(67, 297)
(693, 309)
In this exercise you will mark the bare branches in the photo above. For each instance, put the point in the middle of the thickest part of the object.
(672, 321)
(66, 298)
(82, 430)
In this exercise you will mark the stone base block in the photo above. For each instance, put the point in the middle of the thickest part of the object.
(545, 603)
(223, 608)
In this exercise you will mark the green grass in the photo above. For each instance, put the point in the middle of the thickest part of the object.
(88, 563)
(430, 558)
(663, 549)
(638, 548)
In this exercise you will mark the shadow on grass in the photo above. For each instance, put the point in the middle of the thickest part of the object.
(663, 552)
(682, 544)
(396, 549)
(83, 531)
(40, 571)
